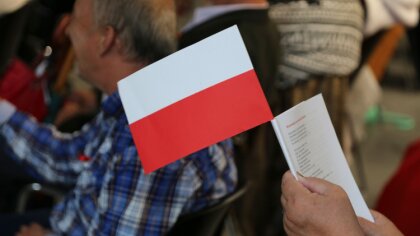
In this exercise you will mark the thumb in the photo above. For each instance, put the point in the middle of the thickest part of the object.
(316, 185)
(367, 226)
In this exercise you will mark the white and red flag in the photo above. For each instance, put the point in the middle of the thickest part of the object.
(193, 98)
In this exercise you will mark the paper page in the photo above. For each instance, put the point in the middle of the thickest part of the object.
(311, 147)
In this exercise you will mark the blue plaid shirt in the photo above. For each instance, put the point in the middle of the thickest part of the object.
(112, 195)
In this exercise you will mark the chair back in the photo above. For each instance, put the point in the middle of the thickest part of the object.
(209, 221)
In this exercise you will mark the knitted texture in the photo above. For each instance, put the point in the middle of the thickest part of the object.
(318, 38)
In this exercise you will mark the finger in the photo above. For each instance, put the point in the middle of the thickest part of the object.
(376, 215)
(367, 226)
(291, 187)
(283, 200)
(289, 225)
(284, 204)
(378, 218)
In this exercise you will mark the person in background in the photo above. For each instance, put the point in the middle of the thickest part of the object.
(314, 206)
(257, 150)
(111, 194)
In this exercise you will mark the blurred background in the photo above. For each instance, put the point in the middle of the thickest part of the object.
(367, 67)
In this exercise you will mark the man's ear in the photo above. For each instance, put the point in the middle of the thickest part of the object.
(107, 41)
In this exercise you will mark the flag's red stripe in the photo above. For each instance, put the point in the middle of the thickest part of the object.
(205, 118)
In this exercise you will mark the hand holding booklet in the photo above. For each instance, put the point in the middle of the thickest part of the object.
(311, 147)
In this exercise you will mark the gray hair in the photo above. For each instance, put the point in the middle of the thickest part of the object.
(147, 28)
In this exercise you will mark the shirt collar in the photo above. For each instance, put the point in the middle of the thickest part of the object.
(203, 14)
(112, 104)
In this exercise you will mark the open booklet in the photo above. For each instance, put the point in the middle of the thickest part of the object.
(311, 147)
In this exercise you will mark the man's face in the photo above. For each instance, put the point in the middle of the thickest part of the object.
(84, 37)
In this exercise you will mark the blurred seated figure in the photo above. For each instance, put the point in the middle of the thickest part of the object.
(25, 79)
(32, 83)
(386, 21)
(320, 43)
(111, 194)
(258, 153)
(399, 198)
(383, 14)
(385, 25)
(19, 84)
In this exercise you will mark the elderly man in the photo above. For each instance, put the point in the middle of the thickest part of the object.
(111, 194)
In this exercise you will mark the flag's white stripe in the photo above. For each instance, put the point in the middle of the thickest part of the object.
(184, 73)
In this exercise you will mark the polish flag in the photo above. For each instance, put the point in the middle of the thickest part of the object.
(193, 98)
